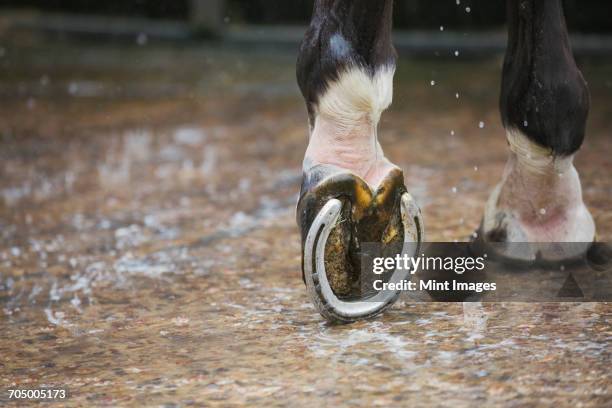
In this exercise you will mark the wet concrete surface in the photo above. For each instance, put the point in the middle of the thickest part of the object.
(149, 253)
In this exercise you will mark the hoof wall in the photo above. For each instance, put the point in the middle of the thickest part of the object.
(339, 214)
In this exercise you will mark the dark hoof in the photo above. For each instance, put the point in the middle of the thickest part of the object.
(599, 256)
(527, 254)
(338, 213)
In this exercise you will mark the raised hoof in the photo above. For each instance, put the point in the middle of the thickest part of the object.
(338, 213)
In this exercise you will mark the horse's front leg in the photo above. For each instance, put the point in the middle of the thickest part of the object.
(544, 105)
(351, 193)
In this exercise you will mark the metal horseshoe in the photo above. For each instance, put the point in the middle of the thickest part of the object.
(326, 302)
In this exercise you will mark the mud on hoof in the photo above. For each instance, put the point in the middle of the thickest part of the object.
(338, 213)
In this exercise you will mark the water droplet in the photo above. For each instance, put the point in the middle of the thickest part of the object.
(452, 133)
(142, 39)
(457, 95)
(467, 9)
(475, 168)
(441, 28)
(481, 124)
(474, 234)
(454, 190)
(456, 53)
(525, 123)
(458, 2)
(542, 211)
(73, 88)
(433, 83)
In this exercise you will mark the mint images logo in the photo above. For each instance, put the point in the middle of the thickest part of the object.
(432, 286)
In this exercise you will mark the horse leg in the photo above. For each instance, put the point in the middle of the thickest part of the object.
(544, 105)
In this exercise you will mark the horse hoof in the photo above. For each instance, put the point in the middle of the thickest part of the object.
(536, 214)
(338, 214)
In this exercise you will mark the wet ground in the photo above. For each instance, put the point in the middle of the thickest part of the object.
(149, 253)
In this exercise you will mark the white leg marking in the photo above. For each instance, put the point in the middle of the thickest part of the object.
(539, 198)
(346, 120)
